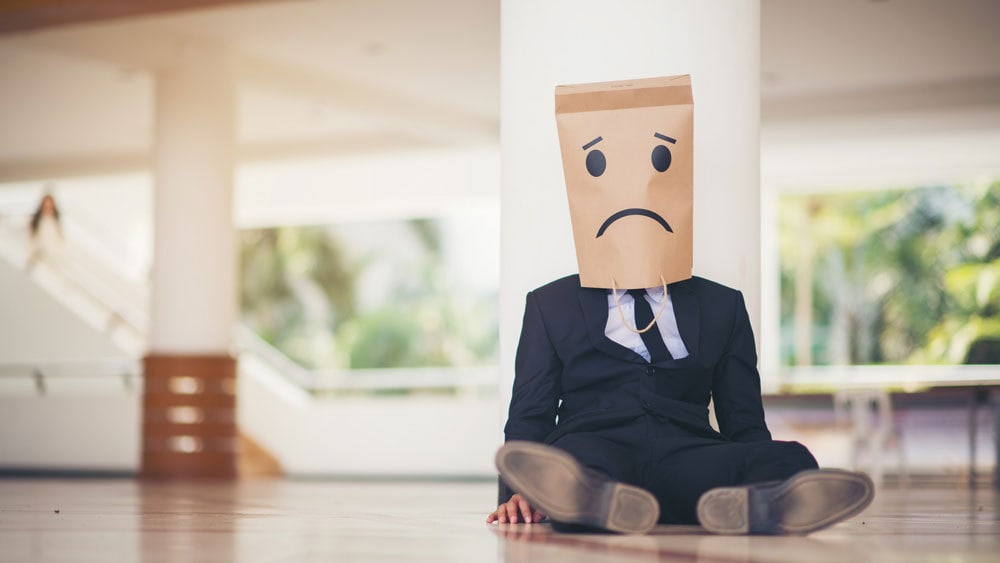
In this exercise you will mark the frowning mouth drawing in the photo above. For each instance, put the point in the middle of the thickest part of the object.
(633, 211)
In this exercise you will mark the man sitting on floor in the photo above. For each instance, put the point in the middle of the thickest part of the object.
(608, 425)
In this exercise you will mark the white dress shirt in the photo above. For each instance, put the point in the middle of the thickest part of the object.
(666, 323)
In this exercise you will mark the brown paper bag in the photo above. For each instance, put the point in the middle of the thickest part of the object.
(627, 158)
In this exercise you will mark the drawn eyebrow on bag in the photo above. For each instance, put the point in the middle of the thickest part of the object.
(660, 136)
(592, 143)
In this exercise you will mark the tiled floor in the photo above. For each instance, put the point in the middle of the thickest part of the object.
(290, 521)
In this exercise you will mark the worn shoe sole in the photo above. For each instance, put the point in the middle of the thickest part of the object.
(804, 503)
(558, 486)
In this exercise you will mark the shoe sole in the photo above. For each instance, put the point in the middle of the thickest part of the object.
(804, 503)
(559, 487)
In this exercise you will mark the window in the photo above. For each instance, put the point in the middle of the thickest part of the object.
(376, 294)
(907, 276)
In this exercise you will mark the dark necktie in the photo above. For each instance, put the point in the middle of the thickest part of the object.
(651, 338)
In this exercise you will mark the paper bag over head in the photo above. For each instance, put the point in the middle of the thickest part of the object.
(628, 162)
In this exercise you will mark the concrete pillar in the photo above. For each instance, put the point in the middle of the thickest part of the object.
(543, 44)
(189, 421)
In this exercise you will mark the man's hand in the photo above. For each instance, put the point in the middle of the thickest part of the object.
(508, 512)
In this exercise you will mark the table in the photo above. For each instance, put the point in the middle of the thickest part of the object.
(981, 381)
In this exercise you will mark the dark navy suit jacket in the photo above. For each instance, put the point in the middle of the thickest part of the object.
(570, 377)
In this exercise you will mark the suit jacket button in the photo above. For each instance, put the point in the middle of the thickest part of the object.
(650, 370)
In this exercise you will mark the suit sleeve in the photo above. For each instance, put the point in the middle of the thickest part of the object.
(535, 398)
(736, 383)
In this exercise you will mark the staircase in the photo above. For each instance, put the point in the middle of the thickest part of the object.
(87, 283)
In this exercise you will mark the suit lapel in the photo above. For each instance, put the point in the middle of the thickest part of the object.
(594, 304)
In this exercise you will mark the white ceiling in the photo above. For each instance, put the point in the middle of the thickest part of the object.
(811, 47)
(315, 76)
(329, 76)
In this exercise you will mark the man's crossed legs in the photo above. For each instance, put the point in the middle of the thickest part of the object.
(617, 481)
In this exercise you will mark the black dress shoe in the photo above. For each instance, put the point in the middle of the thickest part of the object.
(806, 502)
(557, 485)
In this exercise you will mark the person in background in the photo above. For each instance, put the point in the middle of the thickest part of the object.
(46, 234)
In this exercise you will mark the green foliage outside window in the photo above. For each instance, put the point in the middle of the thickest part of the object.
(305, 292)
(896, 276)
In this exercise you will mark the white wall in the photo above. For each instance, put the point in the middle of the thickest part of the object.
(94, 425)
(370, 436)
(85, 430)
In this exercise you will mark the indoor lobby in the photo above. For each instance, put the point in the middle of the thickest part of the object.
(263, 265)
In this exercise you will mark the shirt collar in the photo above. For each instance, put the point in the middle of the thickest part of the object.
(655, 293)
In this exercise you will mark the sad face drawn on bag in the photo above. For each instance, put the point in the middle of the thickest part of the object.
(629, 180)
(660, 159)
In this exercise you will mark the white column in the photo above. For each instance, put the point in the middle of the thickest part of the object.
(543, 44)
(194, 290)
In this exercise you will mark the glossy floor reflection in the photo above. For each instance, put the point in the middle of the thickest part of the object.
(124, 520)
